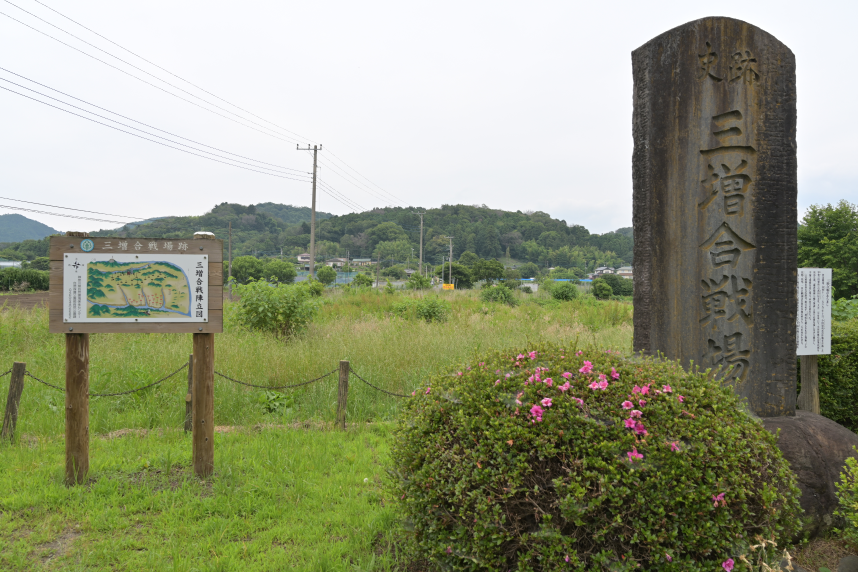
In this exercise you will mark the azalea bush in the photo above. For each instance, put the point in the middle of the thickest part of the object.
(562, 459)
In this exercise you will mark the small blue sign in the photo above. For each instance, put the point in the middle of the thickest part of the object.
(86, 245)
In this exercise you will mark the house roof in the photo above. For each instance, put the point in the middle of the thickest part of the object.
(361, 259)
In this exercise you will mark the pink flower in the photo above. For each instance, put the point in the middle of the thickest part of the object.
(428, 389)
(603, 377)
(666, 388)
(728, 565)
(536, 412)
(549, 382)
(469, 368)
(594, 385)
(587, 368)
(546, 402)
(639, 429)
(413, 393)
(564, 387)
(566, 375)
(519, 356)
(718, 499)
(578, 353)
(634, 455)
(645, 389)
(641, 402)
(627, 405)
(497, 382)
(674, 446)
(449, 550)
(603, 384)
(566, 558)
(636, 389)
(629, 423)
(579, 400)
(532, 355)
(636, 413)
(518, 397)
(668, 557)
(615, 374)
(680, 398)
(507, 376)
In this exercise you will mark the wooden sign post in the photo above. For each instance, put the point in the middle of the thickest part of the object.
(813, 331)
(136, 285)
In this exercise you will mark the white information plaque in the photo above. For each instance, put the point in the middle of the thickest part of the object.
(813, 319)
(148, 287)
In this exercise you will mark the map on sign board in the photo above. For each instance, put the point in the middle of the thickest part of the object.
(104, 287)
(813, 318)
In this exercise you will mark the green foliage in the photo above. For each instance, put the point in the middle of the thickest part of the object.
(41, 263)
(247, 268)
(15, 228)
(283, 310)
(487, 270)
(388, 288)
(326, 275)
(564, 291)
(828, 238)
(391, 252)
(529, 270)
(838, 375)
(277, 270)
(418, 282)
(313, 287)
(619, 286)
(492, 476)
(844, 309)
(274, 402)
(397, 272)
(362, 280)
(433, 309)
(847, 494)
(498, 294)
(511, 279)
(468, 258)
(24, 278)
(601, 290)
(462, 276)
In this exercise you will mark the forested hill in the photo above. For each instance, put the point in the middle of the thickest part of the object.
(15, 228)
(390, 233)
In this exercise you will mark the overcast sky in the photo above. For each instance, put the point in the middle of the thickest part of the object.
(516, 105)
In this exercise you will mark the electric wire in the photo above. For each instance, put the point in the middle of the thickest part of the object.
(60, 214)
(144, 131)
(68, 208)
(328, 189)
(152, 140)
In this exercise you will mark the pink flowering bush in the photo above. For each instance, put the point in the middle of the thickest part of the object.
(496, 469)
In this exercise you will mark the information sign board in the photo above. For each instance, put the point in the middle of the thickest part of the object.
(448, 286)
(136, 285)
(813, 319)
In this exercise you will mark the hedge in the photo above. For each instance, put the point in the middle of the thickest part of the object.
(37, 279)
(838, 376)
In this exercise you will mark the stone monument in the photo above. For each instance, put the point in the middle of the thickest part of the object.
(715, 213)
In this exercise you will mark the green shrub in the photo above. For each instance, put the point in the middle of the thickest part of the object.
(388, 288)
(283, 310)
(279, 271)
(418, 282)
(601, 289)
(499, 294)
(326, 275)
(838, 375)
(313, 287)
(619, 286)
(517, 463)
(247, 268)
(844, 309)
(361, 280)
(433, 309)
(24, 279)
(564, 291)
(847, 494)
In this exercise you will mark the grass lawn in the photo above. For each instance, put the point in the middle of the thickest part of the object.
(281, 499)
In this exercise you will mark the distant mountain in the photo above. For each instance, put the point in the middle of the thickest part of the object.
(15, 228)
(626, 231)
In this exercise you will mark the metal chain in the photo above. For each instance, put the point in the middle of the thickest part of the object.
(28, 374)
(276, 386)
(5, 373)
(165, 378)
(376, 388)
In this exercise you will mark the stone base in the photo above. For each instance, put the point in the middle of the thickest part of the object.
(816, 448)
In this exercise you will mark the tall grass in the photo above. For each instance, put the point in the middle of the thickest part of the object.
(391, 352)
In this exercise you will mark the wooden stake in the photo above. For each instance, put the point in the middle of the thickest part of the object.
(16, 387)
(189, 413)
(203, 405)
(808, 399)
(343, 394)
(77, 408)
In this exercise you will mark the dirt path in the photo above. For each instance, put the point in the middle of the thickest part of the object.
(24, 301)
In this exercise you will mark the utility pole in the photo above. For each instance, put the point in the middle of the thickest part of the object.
(420, 263)
(316, 149)
(230, 262)
(451, 258)
(377, 269)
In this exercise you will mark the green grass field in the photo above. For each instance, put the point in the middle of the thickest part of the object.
(283, 497)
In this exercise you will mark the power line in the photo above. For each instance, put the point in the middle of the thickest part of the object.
(59, 214)
(69, 208)
(147, 139)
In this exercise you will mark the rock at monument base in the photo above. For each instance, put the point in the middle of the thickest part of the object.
(816, 448)
(848, 564)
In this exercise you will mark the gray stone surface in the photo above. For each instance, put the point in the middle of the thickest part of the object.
(816, 448)
(848, 564)
(714, 169)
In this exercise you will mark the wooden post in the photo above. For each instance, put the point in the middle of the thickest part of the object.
(77, 408)
(203, 405)
(808, 399)
(16, 387)
(343, 394)
(189, 413)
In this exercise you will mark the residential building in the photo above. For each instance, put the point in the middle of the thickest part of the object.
(304, 258)
(336, 262)
(361, 261)
(625, 272)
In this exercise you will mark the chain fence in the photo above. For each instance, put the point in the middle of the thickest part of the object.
(5, 373)
(154, 383)
(276, 386)
(375, 387)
